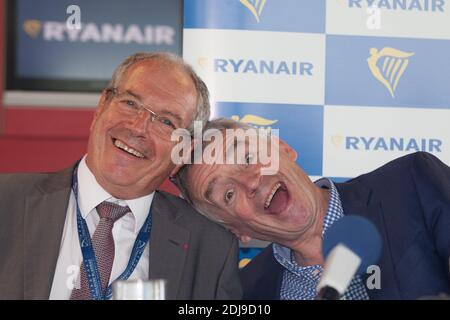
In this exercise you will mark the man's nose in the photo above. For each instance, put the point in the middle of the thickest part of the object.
(141, 121)
(252, 181)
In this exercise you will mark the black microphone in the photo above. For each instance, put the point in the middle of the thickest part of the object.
(350, 245)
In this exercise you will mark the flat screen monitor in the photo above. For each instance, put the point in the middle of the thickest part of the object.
(74, 46)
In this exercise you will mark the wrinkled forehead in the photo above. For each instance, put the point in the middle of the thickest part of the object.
(222, 146)
(200, 176)
(168, 74)
(221, 154)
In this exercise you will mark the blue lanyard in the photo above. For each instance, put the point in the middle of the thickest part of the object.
(89, 261)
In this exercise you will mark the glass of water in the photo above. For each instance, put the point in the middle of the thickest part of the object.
(139, 289)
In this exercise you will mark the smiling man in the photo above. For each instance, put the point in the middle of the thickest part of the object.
(408, 200)
(71, 234)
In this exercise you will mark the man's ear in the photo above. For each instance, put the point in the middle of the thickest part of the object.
(284, 147)
(242, 238)
(185, 157)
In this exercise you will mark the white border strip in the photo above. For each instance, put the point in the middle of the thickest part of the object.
(50, 99)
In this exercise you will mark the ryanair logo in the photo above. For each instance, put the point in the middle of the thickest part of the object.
(255, 7)
(257, 66)
(387, 143)
(253, 120)
(101, 33)
(388, 65)
(400, 5)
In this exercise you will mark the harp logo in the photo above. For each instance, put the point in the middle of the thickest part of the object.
(255, 7)
(388, 65)
(337, 139)
(32, 27)
(255, 121)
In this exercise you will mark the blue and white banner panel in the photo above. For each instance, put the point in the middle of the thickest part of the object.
(380, 71)
(307, 121)
(265, 15)
(389, 18)
(358, 140)
(278, 67)
(373, 75)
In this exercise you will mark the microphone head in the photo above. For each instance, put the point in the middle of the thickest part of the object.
(359, 235)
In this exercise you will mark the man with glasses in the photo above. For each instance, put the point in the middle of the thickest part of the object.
(71, 234)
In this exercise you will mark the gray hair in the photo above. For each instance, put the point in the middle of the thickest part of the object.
(202, 112)
(180, 180)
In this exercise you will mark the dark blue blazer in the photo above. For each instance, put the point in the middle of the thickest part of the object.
(408, 200)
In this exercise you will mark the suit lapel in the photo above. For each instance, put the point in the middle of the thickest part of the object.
(168, 245)
(269, 287)
(45, 213)
(359, 200)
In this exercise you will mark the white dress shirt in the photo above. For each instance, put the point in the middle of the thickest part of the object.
(125, 231)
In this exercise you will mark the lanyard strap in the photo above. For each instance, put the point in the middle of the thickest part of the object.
(89, 260)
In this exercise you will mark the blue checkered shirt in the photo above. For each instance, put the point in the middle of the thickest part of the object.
(299, 283)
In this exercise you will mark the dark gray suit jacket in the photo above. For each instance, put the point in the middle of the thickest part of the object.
(196, 256)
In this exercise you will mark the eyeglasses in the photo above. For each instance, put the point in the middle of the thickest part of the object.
(130, 105)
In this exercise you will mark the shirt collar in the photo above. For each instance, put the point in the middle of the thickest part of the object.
(91, 194)
(334, 210)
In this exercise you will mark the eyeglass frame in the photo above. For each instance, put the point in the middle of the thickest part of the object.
(153, 115)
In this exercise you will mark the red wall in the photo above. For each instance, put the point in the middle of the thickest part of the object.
(40, 139)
